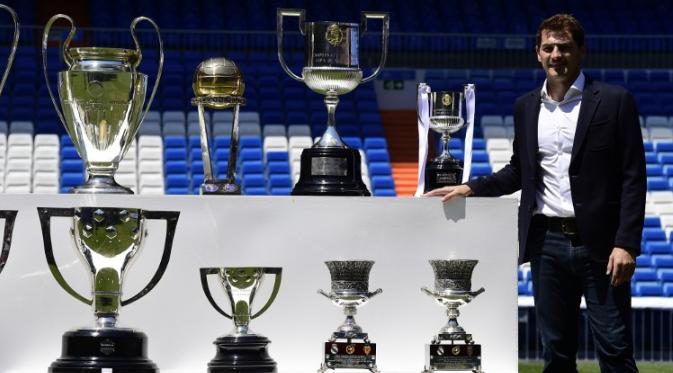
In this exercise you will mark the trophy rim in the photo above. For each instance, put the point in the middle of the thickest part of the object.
(131, 56)
(350, 261)
(350, 24)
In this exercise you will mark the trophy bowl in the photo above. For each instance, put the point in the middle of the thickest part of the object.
(350, 282)
(453, 281)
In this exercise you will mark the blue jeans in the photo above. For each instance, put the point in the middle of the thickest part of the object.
(561, 274)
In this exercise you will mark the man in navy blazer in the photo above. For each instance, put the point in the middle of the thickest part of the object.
(579, 162)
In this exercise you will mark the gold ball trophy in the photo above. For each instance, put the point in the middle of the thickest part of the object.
(331, 68)
(218, 84)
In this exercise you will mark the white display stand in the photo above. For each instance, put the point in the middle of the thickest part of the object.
(296, 233)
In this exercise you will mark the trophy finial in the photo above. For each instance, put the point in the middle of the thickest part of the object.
(218, 77)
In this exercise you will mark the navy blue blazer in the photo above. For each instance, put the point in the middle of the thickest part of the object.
(607, 170)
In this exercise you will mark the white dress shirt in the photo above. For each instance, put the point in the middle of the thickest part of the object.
(556, 132)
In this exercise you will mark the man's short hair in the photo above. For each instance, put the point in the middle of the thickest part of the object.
(562, 22)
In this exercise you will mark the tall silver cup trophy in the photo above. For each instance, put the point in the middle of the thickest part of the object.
(241, 350)
(107, 240)
(102, 95)
(331, 68)
(349, 346)
(452, 349)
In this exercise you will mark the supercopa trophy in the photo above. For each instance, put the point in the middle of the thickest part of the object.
(8, 216)
(218, 84)
(349, 346)
(331, 68)
(452, 349)
(102, 96)
(107, 239)
(241, 350)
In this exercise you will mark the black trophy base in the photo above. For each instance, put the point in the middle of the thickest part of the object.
(104, 350)
(220, 188)
(330, 172)
(244, 354)
(350, 355)
(452, 357)
(441, 172)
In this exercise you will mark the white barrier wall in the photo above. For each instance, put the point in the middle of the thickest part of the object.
(296, 233)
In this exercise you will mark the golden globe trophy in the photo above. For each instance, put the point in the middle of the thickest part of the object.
(218, 84)
(102, 96)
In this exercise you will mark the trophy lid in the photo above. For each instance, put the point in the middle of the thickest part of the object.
(221, 78)
(131, 57)
(350, 276)
(454, 274)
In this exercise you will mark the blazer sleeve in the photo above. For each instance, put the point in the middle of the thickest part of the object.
(634, 180)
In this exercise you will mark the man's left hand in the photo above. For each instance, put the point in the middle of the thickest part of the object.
(621, 266)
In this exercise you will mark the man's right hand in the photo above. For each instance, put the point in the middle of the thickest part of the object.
(449, 192)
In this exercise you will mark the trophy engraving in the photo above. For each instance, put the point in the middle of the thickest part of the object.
(452, 349)
(218, 84)
(107, 240)
(349, 346)
(331, 68)
(8, 216)
(102, 96)
(241, 350)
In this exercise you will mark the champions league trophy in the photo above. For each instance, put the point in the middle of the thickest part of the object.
(349, 346)
(8, 216)
(241, 350)
(218, 84)
(107, 239)
(452, 349)
(331, 68)
(102, 95)
(444, 113)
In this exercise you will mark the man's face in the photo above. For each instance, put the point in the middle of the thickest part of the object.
(560, 56)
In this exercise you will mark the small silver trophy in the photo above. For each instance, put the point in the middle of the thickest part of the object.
(349, 346)
(8, 216)
(452, 349)
(241, 350)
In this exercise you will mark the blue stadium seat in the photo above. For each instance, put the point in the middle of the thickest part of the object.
(662, 261)
(254, 180)
(377, 155)
(643, 261)
(278, 167)
(281, 191)
(658, 247)
(379, 169)
(277, 156)
(375, 143)
(645, 274)
(384, 193)
(252, 167)
(649, 288)
(280, 181)
(652, 222)
(654, 234)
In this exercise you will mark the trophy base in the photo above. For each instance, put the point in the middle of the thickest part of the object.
(220, 187)
(349, 355)
(243, 353)
(452, 357)
(104, 350)
(441, 172)
(101, 185)
(330, 172)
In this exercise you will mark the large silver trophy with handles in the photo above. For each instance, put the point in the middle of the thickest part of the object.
(107, 239)
(349, 346)
(8, 216)
(241, 350)
(102, 95)
(452, 349)
(331, 68)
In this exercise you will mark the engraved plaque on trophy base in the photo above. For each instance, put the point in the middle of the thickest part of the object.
(350, 355)
(104, 350)
(220, 187)
(453, 357)
(242, 354)
(330, 172)
(442, 172)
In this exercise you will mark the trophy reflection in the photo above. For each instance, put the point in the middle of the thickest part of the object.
(102, 96)
(452, 349)
(107, 239)
(218, 84)
(331, 68)
(241, 350)
(349, 346)
(8, 216)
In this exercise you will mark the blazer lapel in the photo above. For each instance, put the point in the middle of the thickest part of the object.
(590, 101)
(532, 113)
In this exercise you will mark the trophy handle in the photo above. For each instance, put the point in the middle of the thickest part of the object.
(9, 216)
(171, 218)
(15, 43)
(45, 214)
(475, 293)
(276, 285)
(66, 57)
(374, 293)
(204, 284)
(326, 295)
(280, 13)
(161, 59)
(385, 17)
(428, 292)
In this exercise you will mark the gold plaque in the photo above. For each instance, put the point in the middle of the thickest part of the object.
(334, 35)
(447, 100)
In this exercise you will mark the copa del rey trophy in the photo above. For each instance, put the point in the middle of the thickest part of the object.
(349, 346)
(452, 349)
(445, 112)
(218, 84)
(242, 350)
(331, 68)
(102, 95)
